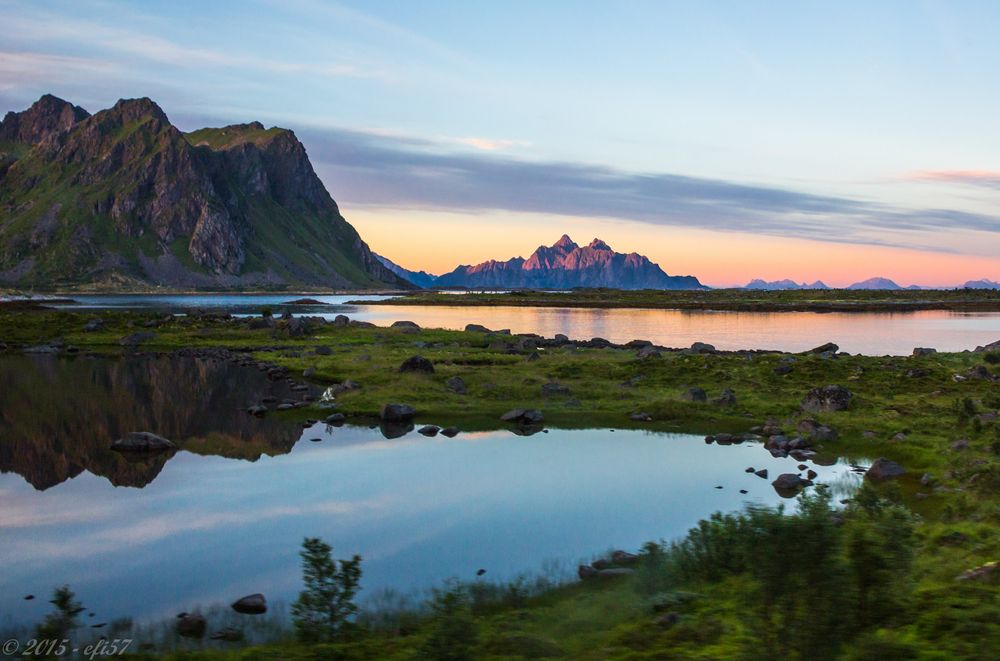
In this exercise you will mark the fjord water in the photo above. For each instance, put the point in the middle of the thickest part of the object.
(225, 515)
(870, 333)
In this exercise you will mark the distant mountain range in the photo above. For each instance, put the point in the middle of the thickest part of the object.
(122, 198)
(783, 284)
(563, 265)
(871, 284)
(421, 279)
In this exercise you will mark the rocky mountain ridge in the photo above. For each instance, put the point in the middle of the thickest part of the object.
(123, 196)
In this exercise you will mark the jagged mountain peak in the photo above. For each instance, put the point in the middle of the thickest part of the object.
(598, 244)
(133, 110)
(47, 116)
(564, 242)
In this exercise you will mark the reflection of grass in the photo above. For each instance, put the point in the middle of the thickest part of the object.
(842, 300)
(959, 505)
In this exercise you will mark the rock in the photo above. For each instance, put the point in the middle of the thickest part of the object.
(559, 338)
(829, 347)
(417, 364)
(728, 398)
(762, 473)
(701, 347)
(827, 399)
(253, 604)
(816, 431)
(341, 320)
(979, 372)
(523, 416)
(397, 413)
(308, 372)
(142, 441)
(476, 328)
(335, 419)
(883, 469)
(641, 416)
(638, 344)
(229, 634)
(553, 388)
(404, 324)
(322, 351)
(694, 395)
(456, 384)
(919, 352)
(586, 572)
(750, 469)
(393, 430)
(450, 432)
(480, 572)
(648, 352)
(429, 430)
(257, 411)
(137, 338)
(788, 484)
(93, 325)
(285, 406)
(190, 625)
(624, 558)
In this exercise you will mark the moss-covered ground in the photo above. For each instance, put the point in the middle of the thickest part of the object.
(934, 414)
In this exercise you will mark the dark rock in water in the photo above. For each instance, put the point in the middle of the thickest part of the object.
(99, 625)
(750, 469)
(316, 440)
(450, 432)
(429, 430)
(417, 364)
(827, 399)
(191, 625)
(787, 483)
(229, 635)
(624, 558)
(728, 398)
(523, 416)
(923, 351)
(397, 412)
(29, 597)
(253, 604)
(142, 441)
(694, 395)
(456, 384)
(829, 347)
(393, 430)
(404, 324)
(335, 419)
(137, 338)
(553, 388)
(811, 474)
(744, 491)
(480, 572)
(762, 473)
(94, 325)
(884, 469)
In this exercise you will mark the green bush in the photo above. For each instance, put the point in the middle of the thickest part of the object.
(454, 634)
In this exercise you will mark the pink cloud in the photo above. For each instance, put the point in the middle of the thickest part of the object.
(972, 177)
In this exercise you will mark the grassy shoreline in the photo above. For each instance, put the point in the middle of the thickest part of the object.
(935, 414)
(832, 300)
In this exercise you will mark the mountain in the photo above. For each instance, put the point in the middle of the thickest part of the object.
(123, 197)
(981, 284)
(757, 283)
(875, 283)
(421, 279)
(565, 265)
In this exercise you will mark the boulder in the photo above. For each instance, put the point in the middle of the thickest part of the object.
(762, 473)
(397, 413)
(727, 398)
(624, 558)
(694, 395)
(559, 338)
(191, 625)
(648, 352)
(979, 372)
(341, 320)
(456, 384)
(701, 347)
(476, 328)
(323, 350)
(336, 419)
(417, 364)
(404, 324)
(523, 416)
(829, 347)
(450, 432)
(553, 388)
(252, 604)
(142, 441)
(788, 484)
(827, 399)
(429, 430)
(641, 416)
(919, 352)
(393, 430)
(883, 469)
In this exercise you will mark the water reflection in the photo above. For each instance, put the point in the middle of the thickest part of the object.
(209, 529)
(858, 332)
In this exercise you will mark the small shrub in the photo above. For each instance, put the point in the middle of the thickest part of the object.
(323, 610)
(454, 634)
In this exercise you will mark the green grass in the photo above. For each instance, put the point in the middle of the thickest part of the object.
(958, 510)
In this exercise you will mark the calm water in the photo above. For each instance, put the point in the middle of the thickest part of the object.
(225, 515)
(867, 333)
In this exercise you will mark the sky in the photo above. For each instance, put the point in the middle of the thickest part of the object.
(727, 140)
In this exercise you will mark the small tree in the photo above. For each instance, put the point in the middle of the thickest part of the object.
(324, 607)
(58, 625)
(454, 634)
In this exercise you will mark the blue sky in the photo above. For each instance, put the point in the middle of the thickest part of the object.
(769, 129)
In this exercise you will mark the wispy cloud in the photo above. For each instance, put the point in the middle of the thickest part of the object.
(365, 168)
(987, 178)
